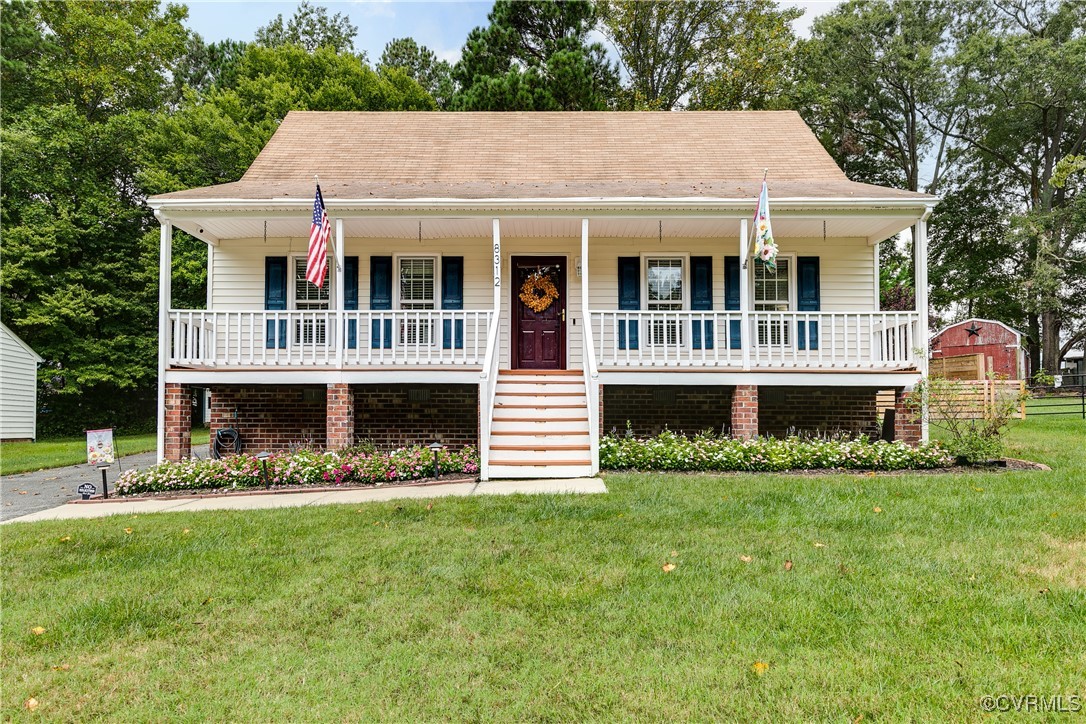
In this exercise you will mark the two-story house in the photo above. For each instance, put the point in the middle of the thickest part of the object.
(527, 281)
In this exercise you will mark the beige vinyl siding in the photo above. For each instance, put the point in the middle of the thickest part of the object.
(846, 267)
(18, 388)
(846, 270)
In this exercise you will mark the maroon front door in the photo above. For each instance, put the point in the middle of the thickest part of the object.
(539, 338)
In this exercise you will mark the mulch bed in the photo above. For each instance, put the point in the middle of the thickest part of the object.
(278, 490)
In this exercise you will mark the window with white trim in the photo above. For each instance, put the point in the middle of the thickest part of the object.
(664, 279)
(773, 293)
(418, 291)
(307, 296)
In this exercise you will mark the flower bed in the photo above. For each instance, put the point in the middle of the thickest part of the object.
(301, 468)
(669, 451)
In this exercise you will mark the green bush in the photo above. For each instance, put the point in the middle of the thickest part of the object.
(303, 467)
(669, 451)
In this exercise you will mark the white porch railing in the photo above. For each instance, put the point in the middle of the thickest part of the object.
(783, 340)
(211, 338)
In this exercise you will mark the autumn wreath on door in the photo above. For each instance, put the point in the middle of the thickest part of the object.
(538, 292)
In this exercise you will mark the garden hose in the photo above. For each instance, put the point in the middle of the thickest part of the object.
(227, 440)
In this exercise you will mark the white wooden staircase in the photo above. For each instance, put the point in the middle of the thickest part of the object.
(540, 425)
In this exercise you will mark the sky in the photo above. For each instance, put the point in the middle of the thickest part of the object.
(441, 26)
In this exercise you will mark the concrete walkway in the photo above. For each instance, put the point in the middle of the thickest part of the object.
(300, 499)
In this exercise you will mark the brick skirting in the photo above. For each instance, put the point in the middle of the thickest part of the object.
(397, 415)
(816, 410)
(272, 417)
(652, 409)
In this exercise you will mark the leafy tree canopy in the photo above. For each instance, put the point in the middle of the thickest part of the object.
(310, 27)
(535, 56)
(420, 63)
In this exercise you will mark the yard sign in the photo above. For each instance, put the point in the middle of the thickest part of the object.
(100, 447)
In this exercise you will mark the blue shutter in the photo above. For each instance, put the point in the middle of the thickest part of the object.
(732, 271)
(629, 298)
(810, 299)
(350, 297)
(381, 300)
(452, 297)
(701, 299)
(275, 299)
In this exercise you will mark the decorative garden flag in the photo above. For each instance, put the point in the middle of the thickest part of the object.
(316, 264)
(100, 447)
(764, 246)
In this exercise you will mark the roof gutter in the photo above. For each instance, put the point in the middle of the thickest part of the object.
(342, 207)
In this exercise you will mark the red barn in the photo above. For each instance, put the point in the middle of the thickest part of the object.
(1000, 345)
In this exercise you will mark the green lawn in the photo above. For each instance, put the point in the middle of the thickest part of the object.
(19, 457)
(558, 608)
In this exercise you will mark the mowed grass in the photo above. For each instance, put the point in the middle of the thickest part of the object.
(21, 457)
(558, 608)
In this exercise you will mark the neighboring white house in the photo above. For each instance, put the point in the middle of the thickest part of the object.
(526, 282)
(18, 387)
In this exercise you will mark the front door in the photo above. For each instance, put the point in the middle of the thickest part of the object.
(539, 313)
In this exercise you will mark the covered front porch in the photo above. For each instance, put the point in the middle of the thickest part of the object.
(432, 295)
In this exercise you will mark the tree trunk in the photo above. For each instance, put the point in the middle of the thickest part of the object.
(1050, 341)
(1034, 334)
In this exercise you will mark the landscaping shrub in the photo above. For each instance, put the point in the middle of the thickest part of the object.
(973, 430)
(669, 451)
(304, 467)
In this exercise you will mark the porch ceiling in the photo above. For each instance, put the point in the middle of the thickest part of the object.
(810, 225)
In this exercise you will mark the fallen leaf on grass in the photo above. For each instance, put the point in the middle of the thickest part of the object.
(37, 630)
(979, 490)
(669, 567)
(1043, 591)
(65, 539)
(759, 667)
(128, 531)
(62, 667)
(430, 506)
(788, 565)
(819, 545)
(878, 509)
(674, 554)
(746, 559)
(31, 704)
(186, 531)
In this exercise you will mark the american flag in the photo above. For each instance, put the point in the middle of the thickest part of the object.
(316, 266)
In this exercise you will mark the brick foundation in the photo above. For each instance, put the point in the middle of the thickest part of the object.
(905, 428)
(817, 410)
(393, 416)
(745, 411)
(652, 409)
(339, 417)
(178, 422)
(272, 417)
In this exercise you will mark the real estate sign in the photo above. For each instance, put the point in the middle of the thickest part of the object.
(100, 447)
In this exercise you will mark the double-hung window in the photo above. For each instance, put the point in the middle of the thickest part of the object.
(773, 293)
(664, 278)
(309, 297)
(418, 292)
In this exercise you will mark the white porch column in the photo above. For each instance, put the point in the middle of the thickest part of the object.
(497, 265)
(920, 251)
(744, 293)
(489, 377)
(165, 266)
(592, 388)
(341, 325)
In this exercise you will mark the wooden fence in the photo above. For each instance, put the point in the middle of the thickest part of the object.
(977, 399)
(959, 367)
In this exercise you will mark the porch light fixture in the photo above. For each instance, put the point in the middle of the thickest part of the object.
(263, 458)
(436, 447)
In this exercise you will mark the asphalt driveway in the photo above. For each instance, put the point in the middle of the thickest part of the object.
(27, 493)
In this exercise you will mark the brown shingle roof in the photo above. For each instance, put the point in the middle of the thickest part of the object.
(542, 155)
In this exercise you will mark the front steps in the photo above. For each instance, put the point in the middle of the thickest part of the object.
(540, 426)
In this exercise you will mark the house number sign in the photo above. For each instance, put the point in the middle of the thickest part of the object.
(497, 264)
